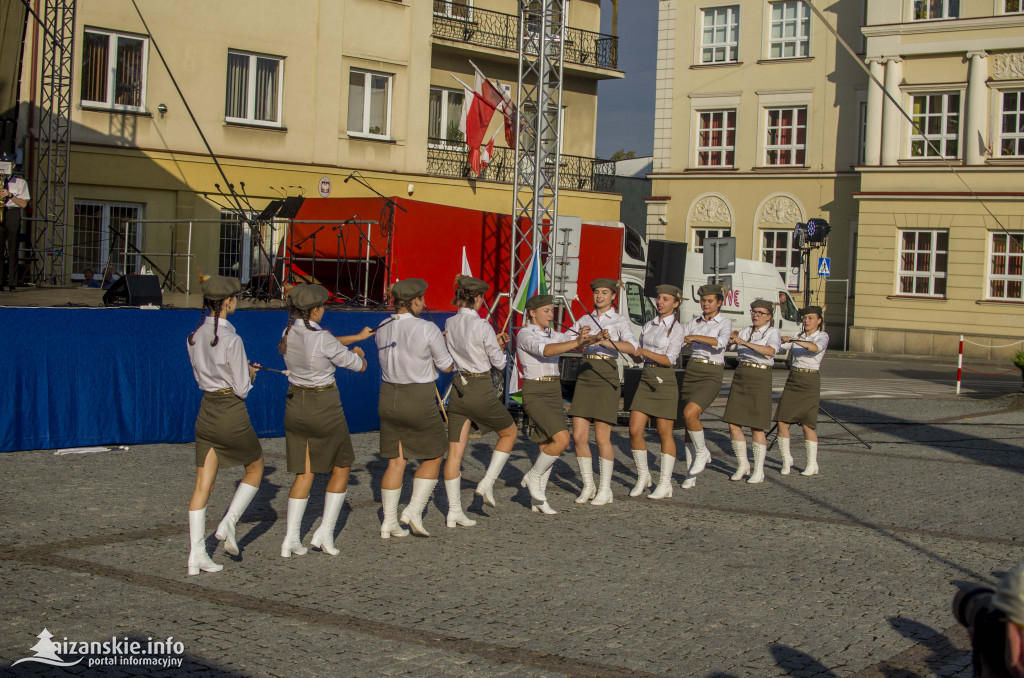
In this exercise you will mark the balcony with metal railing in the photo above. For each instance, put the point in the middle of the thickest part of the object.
(461, 23)
(575, 172)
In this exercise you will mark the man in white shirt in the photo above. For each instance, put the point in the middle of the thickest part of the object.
(14, 197)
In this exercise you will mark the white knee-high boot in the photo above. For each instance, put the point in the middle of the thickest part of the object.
(456, 516)
(226, 528)
(739, 448)
(643, 473)
(543, 506)
(689, 481)
(292, 545)
(604, 492)
(664, 488)
(589, 490)
(535, 478)
(760, 452)
(323, 538)
(787, 458)
(701, 453)
(486, 487)
(812, 459)
(198, 558)
(391, 527)
(412, 516)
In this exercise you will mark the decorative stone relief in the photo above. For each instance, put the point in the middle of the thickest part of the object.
(780, 210)
(1006, 66)
(711, 210)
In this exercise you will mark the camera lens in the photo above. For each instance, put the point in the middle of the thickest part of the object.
(969, 601)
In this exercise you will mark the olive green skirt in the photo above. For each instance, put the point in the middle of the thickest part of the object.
(597, 391)
(702, 383)
(476, 402)
(223, 424)
(800, 399)
(750, 398)
(409, 417)
(654, 399)
(542, 401)
(315, 418)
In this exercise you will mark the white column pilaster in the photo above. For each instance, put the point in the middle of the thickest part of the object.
(873, 134)
(976, 110)
(891, 116)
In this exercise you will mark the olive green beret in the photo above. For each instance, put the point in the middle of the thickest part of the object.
(669, 289)
(472, 285)
(761, 303)
(408, 289)
(538, 300)
(705, 290)
(812, 309)
(218, 287)
(607, 283)
(307, 296)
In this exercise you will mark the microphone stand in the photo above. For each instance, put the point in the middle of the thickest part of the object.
(339, 229)
(387, 219)
(312, 272)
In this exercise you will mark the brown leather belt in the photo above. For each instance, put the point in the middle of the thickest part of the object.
(315, 389)
(475, 374)
(801, 369)
(746, 363)
(223, 391)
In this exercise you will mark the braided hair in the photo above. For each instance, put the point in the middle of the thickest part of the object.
(213, 306)
(463, 297)
(295, 313)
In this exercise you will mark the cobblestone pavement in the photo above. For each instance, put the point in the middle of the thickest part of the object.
(848, 573)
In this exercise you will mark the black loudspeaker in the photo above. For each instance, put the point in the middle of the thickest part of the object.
(666, 265)
(134, 290)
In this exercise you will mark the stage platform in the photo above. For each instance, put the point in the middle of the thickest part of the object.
(79, 374)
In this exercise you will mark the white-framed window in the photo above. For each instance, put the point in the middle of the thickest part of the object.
(936, 9)
(785, 136)
(1011, 127)
(790, 31)
(1006, 266)
(102, 232)
(114, 70)
(720, 35)
(702, 234)
(937, 116)
(254, 89)
(454, 9)
(1013, 6)
(369, 104)
(444, 113)
(924, 256)
(716, 138)
(777, 249)
(235, 254)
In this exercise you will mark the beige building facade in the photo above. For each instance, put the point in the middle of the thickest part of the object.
(284, 102)
(942, 204)
(757, 128)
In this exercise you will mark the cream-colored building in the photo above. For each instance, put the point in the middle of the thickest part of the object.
(758, 127)
(942, 205)
(286, 97)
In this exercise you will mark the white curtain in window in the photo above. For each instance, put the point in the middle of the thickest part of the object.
(356, 100)
(238, 85)
(434, 130)
(452, 132)
(266, 89)
(378, 105)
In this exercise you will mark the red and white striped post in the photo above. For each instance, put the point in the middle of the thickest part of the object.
(960, 364)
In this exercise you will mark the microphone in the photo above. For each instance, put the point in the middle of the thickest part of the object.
(348, 177)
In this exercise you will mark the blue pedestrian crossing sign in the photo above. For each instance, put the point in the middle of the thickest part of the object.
(824, 267)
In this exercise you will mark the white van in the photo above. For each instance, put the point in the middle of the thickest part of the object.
(752, 280)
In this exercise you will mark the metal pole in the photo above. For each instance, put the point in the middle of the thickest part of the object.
(188, 263)
(846, 313)
(366, 271)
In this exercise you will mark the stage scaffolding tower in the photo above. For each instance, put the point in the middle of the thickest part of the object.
(53, 139)
(539, 102)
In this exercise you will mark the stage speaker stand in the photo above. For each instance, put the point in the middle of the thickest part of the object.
(134, 290)
(666, 265)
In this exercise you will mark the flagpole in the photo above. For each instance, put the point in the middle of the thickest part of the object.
(460, 82)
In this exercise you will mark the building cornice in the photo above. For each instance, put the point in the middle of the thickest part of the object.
(944, 25)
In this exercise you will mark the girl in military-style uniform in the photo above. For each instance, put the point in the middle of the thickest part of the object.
(660, 344)
(707, 335)
(224, 434)
(596, 398)
(802, 394)
(538, 346)
(476, 349)
(411, 353)
(316, 433)
(750, 397)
